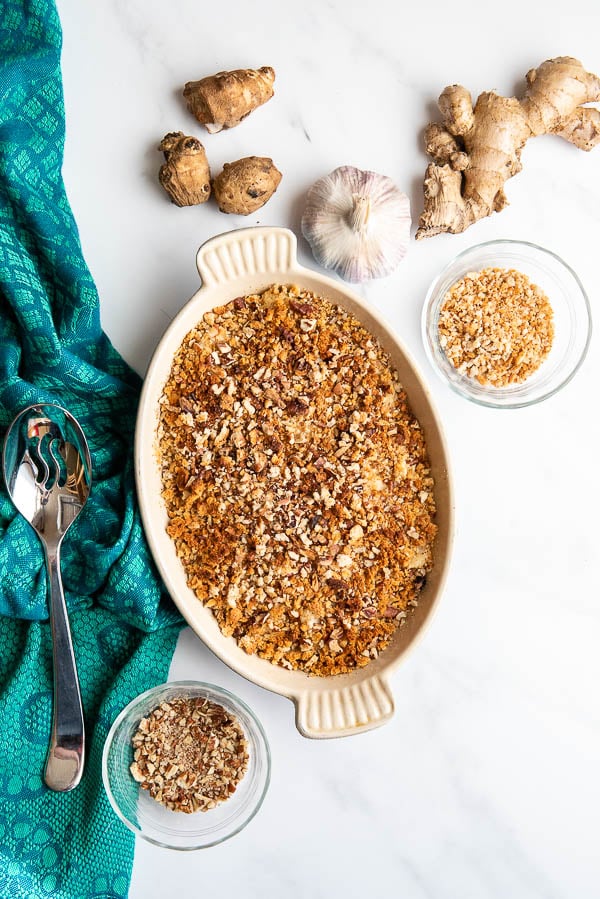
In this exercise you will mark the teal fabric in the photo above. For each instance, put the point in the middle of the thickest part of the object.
(52, 348)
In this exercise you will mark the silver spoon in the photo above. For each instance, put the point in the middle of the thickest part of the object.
(47, 471)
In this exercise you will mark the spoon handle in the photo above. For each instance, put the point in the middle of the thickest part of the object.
(66, 752)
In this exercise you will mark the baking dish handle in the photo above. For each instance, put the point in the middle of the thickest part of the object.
(351, 709)
(244, 253)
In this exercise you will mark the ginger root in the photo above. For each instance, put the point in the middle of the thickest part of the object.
(477, 149)
(185, 174)
(246, 185)
(223, 100)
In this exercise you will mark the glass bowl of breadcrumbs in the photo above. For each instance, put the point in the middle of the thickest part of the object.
(186, 765)
(506, 324)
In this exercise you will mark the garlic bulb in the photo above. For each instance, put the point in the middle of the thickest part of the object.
(357, 223)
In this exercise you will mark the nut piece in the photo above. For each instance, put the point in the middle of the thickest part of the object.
(190, 754)
(185, 174)
(223, 100)
(246, 185)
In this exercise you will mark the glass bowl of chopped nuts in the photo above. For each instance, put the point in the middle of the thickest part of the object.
(186, 765)
(506, 324)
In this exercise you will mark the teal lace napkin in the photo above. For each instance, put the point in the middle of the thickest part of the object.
(52, 349)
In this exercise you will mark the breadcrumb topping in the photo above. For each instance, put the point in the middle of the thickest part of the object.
(296, 480)
(496, 326)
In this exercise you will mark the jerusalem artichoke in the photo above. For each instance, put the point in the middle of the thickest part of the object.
(185, 174)
(246, 185)
(223, 100)
(477, 149)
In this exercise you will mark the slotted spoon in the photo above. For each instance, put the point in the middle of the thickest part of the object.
(47, 471)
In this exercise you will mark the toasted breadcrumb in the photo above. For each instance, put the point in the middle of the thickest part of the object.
(296, 480)
(496, 326)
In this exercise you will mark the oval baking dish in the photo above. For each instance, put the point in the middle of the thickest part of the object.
(239, 263)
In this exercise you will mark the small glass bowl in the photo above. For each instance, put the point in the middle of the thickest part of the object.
(572, 321)
(179, 830)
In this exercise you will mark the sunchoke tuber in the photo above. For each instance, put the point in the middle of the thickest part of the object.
(223, 100)
(246, 185)
(185, 174)
(477, 149)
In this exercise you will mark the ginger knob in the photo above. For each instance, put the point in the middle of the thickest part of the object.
(477, 148)
(246, 185)
(223, 100)
(185, 174)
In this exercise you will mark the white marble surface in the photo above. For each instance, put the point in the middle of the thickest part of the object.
(485, 785)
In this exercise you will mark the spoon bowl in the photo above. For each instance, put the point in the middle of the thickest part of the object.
(47, 470)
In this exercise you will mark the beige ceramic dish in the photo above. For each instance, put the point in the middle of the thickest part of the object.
(236, 264)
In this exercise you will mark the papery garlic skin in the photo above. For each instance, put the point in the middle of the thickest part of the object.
(357, 223)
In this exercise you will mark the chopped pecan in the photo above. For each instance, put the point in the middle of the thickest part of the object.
(301, 308)
(190, 754)
(336, 583)
(186, 404)
(295, 406)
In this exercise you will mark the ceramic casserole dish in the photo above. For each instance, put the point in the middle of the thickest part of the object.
(235, 264)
